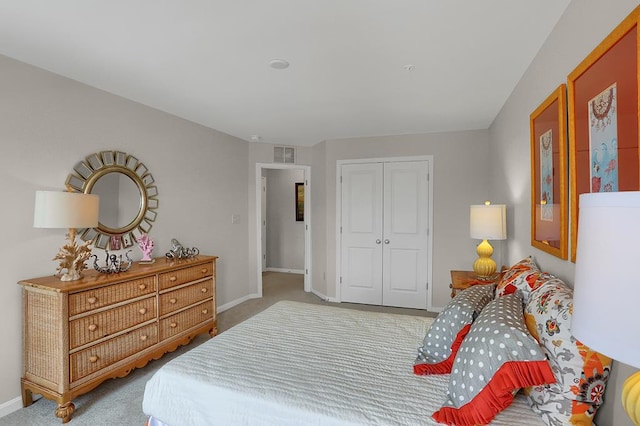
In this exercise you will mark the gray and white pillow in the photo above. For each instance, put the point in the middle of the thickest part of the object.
(445, 335)
(497, 358)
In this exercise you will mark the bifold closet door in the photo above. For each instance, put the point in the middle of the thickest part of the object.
(405, 228)
(384, 223)
(361, 273)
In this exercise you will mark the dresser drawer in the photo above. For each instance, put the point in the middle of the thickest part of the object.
(186, 319)
(105, 323)
(184, 275)
(92, 359)
(89, 300)
(177, 299)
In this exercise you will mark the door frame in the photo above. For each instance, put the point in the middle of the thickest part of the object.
(263, 224)
(307, 219)
(339, 163)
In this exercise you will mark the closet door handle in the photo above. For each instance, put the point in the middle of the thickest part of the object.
(378, 241)
(386, 241)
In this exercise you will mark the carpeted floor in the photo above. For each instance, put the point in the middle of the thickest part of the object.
(118, 402)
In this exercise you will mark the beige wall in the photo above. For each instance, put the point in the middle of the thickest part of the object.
(48, 123)
(583, 26)
(460, 180)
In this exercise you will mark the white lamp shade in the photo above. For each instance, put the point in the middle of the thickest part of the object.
(607, 283)
(57, 209)
(488, 221)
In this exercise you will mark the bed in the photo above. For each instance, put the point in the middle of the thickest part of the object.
(306, 364)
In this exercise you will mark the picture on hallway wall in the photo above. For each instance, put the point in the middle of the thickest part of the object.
(299, 202)
(603, 119)
(548, 128)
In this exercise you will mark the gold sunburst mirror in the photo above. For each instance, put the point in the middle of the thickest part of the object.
(128, 197)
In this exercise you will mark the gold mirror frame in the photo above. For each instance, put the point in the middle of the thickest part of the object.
(84, 177)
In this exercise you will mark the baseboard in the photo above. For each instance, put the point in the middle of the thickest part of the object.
(10, 406)
(325, 297)
(236, 302)
(289, 271)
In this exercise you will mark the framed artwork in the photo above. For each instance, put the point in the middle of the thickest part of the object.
(603, 119)
(299, 201)
(548, 125)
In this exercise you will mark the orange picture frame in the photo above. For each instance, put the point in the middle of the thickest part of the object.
(548, 130)
(612, 64)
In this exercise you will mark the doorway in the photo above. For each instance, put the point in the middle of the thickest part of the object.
(300, 211)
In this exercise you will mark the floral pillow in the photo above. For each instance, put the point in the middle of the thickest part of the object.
(445, 335)
(495, 360)
(581, 374)
(524, 276)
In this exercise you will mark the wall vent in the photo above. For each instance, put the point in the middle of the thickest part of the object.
(284, 154)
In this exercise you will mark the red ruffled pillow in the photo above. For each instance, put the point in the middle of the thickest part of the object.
(495, 360)
(445, 335)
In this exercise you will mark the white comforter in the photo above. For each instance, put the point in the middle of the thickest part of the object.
(302, 364)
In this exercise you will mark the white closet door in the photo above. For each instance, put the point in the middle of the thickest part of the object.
(384, 233)
(361, 263)
(405, 228)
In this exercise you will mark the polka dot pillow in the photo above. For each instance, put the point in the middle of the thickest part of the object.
(495, 360)
(445, 335)
(524, 276)
(581, 374)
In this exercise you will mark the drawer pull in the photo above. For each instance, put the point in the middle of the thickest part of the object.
(92, 327)
(142, 286)
(173, 325)
(92, 300)
(143, 338)
(173, 300)
(173, 278)
(143, 311)
(204, 289)
(205, 311)
(93, 359)
(204, 270)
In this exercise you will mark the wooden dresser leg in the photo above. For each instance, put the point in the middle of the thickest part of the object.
(64, 411)
(27, 396)
(214, 330)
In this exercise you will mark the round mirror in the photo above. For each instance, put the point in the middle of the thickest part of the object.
(119, 199)
(128, 198)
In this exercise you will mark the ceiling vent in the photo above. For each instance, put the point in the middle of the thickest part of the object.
(284, 154)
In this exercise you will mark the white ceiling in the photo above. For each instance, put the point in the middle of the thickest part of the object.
(208, 60)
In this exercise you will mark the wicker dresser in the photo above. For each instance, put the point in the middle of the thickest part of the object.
(77, 334)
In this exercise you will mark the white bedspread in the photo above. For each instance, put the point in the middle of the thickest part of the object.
(302, 364)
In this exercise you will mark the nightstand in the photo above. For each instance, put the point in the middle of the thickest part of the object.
(463, 279)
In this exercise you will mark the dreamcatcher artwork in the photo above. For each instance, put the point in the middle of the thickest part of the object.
(603, 140)
(546, 176)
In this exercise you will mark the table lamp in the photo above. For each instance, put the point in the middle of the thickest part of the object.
(72, 210)
(607, 289)
(487, 222)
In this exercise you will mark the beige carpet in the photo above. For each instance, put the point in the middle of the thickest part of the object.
(118, 402)
(280, 286)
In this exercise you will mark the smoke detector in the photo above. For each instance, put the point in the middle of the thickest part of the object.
(279, 64)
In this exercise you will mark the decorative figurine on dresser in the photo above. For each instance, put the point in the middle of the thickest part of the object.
(146, 245)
